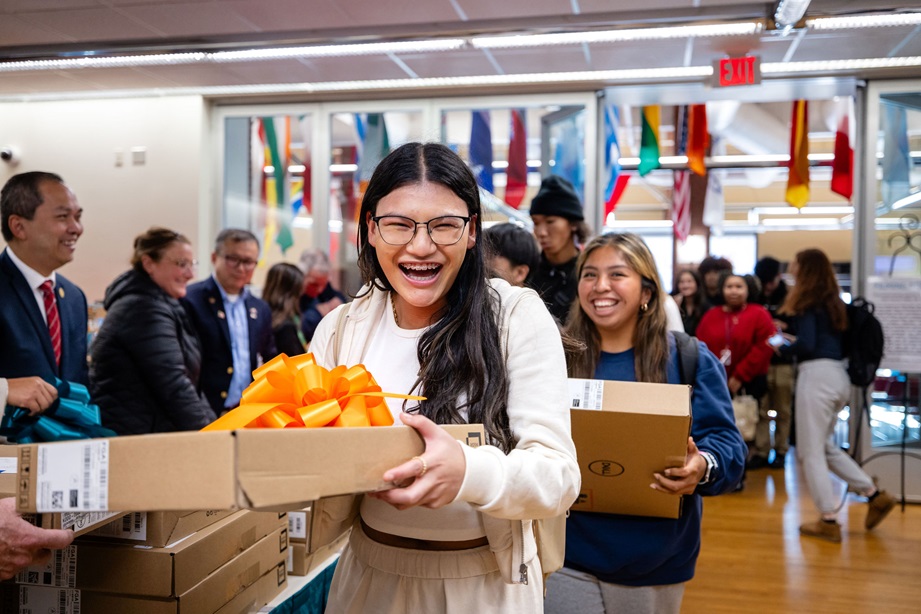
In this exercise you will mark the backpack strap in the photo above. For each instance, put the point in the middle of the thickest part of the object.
(687, 357)
(340, 327)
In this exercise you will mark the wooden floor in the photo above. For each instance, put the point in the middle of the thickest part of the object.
(753, 559)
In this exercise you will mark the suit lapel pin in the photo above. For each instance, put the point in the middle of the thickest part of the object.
(252, 313)
(61, 292)
(220, 314)
(212, 300)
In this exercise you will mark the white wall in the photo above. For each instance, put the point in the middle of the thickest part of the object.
(79, 140)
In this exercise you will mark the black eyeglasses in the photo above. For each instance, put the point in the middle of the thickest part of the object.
(235, 262)
(399, 230)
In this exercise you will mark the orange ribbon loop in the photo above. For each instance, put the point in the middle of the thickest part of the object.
(290, 392)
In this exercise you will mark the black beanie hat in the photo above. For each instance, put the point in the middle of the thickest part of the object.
(556, 196)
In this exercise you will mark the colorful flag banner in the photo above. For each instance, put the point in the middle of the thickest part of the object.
(842, 170)
(516, 174)
(375, 145)
(649, 140)
(896, 183)
(481, 149)
(611, 150)
(306, 134)
(568, 154)
(798, 177)
(714, 203)
(681, 192)
(698, 138)
(276, 144)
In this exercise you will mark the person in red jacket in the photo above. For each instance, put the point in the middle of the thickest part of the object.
(737, 332)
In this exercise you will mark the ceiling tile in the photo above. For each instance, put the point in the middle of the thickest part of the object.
(15, 31)
(191, 20)
(91, 25)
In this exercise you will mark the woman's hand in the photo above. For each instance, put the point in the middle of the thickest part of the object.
(682, 480)
(735, 384)
(431, 480)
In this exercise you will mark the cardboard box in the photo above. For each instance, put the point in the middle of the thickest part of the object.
(624, 432)
(159, 572)
(278, 469)
(9, 470)
(157, 529)
(254, 577)
(301, 561)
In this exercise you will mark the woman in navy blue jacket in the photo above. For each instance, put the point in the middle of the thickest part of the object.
(635, 564)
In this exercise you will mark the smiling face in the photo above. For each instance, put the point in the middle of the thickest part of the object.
(611, 294)
(421, 272)
(174, 270)
(687, 285)
(49, 239)
(735, 292)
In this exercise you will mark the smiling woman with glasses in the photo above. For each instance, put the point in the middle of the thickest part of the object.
(429, 322)
(146, 357)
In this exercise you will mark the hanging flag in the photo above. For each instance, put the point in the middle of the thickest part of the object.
(283, 235)
(798, 177)
(375, 145)
(618, 191)
(681, 192)
(481, 149)
(517, 172)
(611, 149)
(697, 138)
(714, 203)
(896, 183)
(649, 140)
(568, 153)
(840, 119)
(304, 124)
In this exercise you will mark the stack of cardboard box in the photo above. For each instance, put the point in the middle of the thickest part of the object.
(159, 563)
(304, 554)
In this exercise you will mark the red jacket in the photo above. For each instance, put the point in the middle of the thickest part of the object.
(744, 333)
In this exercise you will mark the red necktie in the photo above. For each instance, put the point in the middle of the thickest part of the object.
(54, 322)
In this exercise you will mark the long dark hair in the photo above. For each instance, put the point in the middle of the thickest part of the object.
(282, 292)
(461, 366)
(650, 339)
(815, 288)
(698, 302)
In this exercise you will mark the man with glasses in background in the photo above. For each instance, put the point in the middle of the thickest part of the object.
(235, 327)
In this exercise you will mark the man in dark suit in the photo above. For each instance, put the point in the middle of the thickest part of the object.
(42, 315)
(235, 328)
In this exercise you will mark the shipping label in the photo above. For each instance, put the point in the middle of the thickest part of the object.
(60, 571)
(45, 600)
(9, 465)
(130, 526)
(586, 393)
(297, 525)
(73, 476)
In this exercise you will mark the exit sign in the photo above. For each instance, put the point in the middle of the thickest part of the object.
(745, 70)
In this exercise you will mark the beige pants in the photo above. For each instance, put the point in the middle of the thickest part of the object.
(779, 397)
(372, 577)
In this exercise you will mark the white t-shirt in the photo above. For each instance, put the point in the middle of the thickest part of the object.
(393, 361)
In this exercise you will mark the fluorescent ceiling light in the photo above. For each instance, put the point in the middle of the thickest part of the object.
(864, 21)
(804, 211)
(338, 50)
(615, 36)
(801, 221)
(159, 59)
(839, 65)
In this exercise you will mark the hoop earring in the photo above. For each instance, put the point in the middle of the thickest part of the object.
(644, 307)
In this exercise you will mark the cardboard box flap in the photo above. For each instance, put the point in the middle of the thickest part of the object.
(274, 468)
(629, 397)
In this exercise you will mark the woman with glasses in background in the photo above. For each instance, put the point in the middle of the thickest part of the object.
(454, 534)
(146, 358)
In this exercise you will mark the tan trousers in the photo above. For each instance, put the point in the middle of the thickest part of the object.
(372, 577)
(779, 397)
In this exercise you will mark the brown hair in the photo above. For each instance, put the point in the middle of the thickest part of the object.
(650, 339)
(153, 243)
(815, 288)
(282, 291)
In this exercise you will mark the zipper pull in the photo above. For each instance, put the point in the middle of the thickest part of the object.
(523, 570)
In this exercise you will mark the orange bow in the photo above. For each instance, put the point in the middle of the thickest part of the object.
(290, 392)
